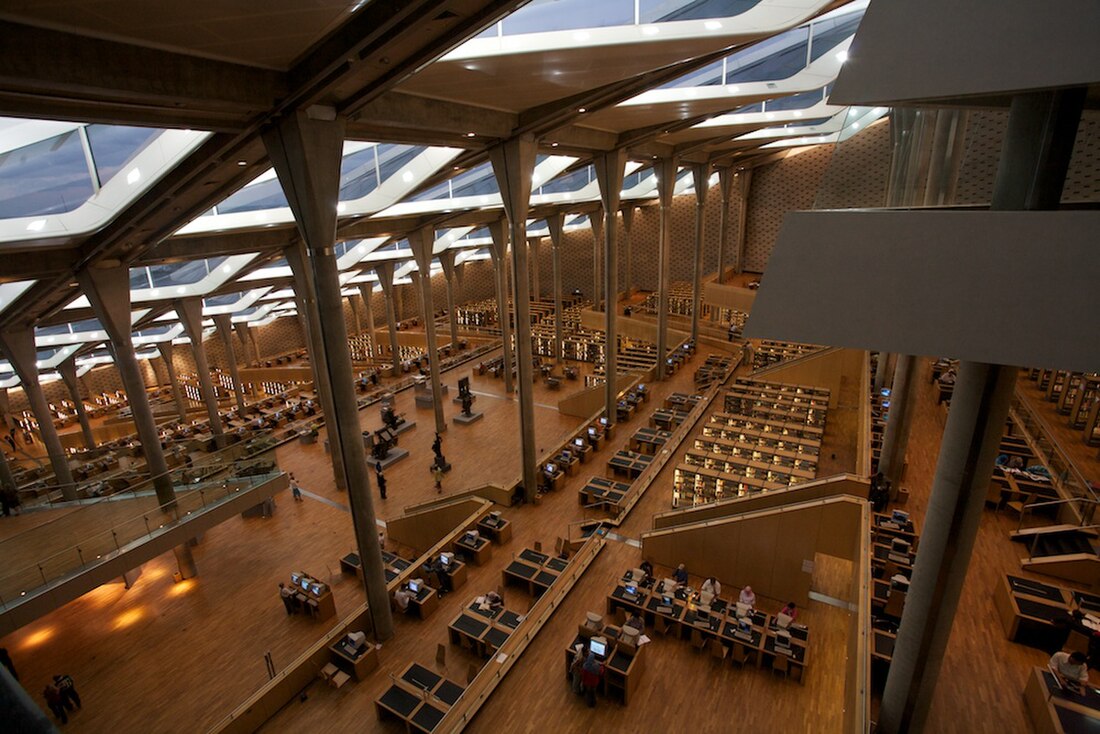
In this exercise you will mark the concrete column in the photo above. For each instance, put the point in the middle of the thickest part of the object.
(243, 334)
(422, 241)
(447, 260)
(499, 231)
(743, 180)
(384, 271)
(533, 253)
(108, 290)
(700, 173)
(306, 291)
(628, 247)
(1042, 127)
(554, 224)
(460, 283)
(7, 479)
(185, 561)
(305, 149)
(513, 164)
(165, 349)
(255, 346)
(355, 315)
(725, 187)
(67, 370)
(666, 184)
(18, 346)
(898, 420)
(224, 324)
(596, 221)
(366, 293)
(609, 175)
(5, 408)
(189, 311)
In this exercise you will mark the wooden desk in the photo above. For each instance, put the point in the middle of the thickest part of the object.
(419, 698)
(500, 532)
(469, 629)
(628, 463)
(425, 602)
(649, 440)
(479, 552)
(357, 666)
(456, 574)
(1053, 710)
(602, 492)
(1029, 608)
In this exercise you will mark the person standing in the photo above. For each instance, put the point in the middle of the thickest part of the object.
(5, 660)
(591, 674)
(381, 479)
(437, 475)
(67, 686)
(295, 490)
(53, 699)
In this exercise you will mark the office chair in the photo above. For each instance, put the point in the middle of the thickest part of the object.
(661, 625)
(782, 665)
(441, 656)
(698, 641)
(718, 651)
(471, 672)
(740, 655)
(538, 546)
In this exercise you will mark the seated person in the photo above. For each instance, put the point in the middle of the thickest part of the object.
(434, 567)
(680, 575)
(402, 597)
(496, 601)
(747, 596)
(790, 610)
(635, 620)
(1070, 667)
(647, 567)
(712, 586)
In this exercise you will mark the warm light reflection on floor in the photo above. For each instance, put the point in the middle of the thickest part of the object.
(182, 587)
(35, 639)
(129, 617)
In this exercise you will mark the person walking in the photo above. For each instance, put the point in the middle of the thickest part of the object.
(591, 674)
(67, 686)
(381, 479)
(53, 699)
(437, 475)
(288, 599)
(295, 490)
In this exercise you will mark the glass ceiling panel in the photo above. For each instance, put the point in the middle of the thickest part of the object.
(778, 57)
(267, 194)
(223, 300)
(540, 16)
(113, 146)
(664, 11)
(185, 273)
(797, 101)
(568, 182)
(359, 174)
(392, 158)
(708, 76)
(47, 177)
(828, 33)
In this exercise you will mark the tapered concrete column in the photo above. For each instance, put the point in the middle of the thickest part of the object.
(67, 370)
(242, 331)
(725, 188)
(366, 293)
(533, 254)
(7, 479)
(18, 347)
(666, 185)
(880, 371)
(447, 260)
(189, 311)
(743, 183)
(108, 290)
(306, 291)
(5, 408)
(609, 175)
(596, 222)
(384, 271)
(255, 346)
(513, 165)
(165, 349)
(460, 282)
(628, 250)
(306, 149)
(355, 315)
(898, 420)
(554, 224)
(224, 324)
(1038, 143)
(422, 241)
(499, 231)
(700, 173)
(185, 562)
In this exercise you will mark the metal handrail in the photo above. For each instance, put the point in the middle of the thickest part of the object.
(1035, 540)
(1086, 516)
(1020, 404)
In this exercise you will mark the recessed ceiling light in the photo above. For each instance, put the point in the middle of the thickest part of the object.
(842, 56)
(855, 126)
(553, 145)
(242, 163)
(37, 225)
(712, 25)
(133, 176)
(471, 135)
(650, 30)
(407, 176)
(798, 113)
(582, 109)
(341, 207)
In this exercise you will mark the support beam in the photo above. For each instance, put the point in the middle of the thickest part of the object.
(366, 293)
(700, 173)
(18, 347)
(513, 165)
(306, 151)
(108, 290)
(554, 224)
(610, 169)
(224, 324)
(67, 370)
(165, 349)
(447, 260)
(7, 479)
(422, 242)
(384, 271)
(1038, 144)
(743, 180)
(305, 289)
(189, 311)
(666, 185)
(596, 221)
(628, 246)
(899, 419)
(499, 232)
(244, 337)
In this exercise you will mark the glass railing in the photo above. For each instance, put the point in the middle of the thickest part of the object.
(1063, 473)
(19, 580)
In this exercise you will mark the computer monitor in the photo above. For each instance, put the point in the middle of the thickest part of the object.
(744, 625)
(444, 561)
(496, 515)
(578, 442)
(551, 469)
(901, 516)
(743, 609)
(304, 583)
(632, 590)
(598, 647)
(641, 387)
(316, 589)
(296, 577)
(900, 545)
(604, 422)
(357, 638)
(783, 620)
(592, 432)
(414, 587)
(667, 600)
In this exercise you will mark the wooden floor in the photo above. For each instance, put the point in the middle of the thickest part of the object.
(1072, 440)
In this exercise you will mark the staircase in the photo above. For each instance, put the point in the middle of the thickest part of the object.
(1065, 551)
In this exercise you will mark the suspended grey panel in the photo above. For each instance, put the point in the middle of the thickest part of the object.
(1014, 288)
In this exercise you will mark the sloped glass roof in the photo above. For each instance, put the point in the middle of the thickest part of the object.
(541, 16)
